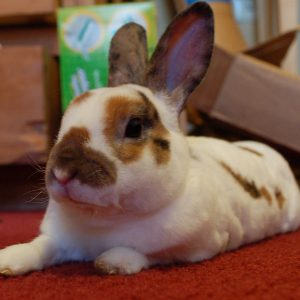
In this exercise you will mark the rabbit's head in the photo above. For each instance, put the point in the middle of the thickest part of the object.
(120, 148)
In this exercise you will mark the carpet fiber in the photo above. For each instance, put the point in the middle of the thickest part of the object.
(267, 270)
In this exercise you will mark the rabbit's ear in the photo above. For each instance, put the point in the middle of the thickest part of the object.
(182, 55)
(128, 56)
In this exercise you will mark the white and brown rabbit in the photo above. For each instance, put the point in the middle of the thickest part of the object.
(128, 190)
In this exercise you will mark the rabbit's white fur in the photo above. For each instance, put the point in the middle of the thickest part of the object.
(192, 210)
(205, 197)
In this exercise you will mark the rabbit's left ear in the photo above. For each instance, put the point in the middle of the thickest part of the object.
(182, 55)
(128, 56)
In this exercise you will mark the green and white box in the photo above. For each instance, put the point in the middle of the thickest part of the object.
(84, 38)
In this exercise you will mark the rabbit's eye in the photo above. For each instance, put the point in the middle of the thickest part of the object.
(134, 128)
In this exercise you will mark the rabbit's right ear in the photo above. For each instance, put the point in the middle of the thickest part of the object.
(183, 54)
(128, 56)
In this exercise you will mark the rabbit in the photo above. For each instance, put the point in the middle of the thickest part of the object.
(127, 190)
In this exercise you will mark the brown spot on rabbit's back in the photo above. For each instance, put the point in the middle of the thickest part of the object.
(280, 198)
(249, 186)
(266, 194)
(251, 150)
(119, 111)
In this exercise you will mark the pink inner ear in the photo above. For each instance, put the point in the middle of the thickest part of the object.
(183, 54)
(179, 30)
(187, 51)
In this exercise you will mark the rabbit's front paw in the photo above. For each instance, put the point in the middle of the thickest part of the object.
(19, 259)
(121, 260)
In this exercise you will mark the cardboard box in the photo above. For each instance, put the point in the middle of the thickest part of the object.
(253, 96)
(85, 34)
(23, 11)
(24, 99)
(246, 88)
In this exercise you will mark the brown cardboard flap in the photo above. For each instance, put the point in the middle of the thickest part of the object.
(23, 135)
(227, 33)
(274, 50)
(180, 5)
(261, 99)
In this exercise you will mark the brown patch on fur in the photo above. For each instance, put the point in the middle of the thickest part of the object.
(280, 198)
(161, 150)
(73, 156)
(265, 193)
(81, 98)
(251, 150)
(249, 186)
(130, 152)
(119, 110)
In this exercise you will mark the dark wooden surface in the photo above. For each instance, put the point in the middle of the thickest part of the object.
(30, 35)
(22, 188)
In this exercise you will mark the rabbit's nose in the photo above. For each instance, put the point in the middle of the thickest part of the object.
(63, 176)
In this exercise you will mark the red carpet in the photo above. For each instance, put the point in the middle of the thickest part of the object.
(267, 270)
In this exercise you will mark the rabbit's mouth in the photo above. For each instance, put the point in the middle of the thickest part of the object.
(75, 193)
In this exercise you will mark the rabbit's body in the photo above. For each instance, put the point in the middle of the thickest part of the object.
(128, 190)
(223, 215)
(259, 198)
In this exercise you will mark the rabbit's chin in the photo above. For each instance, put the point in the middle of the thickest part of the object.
(82, 196)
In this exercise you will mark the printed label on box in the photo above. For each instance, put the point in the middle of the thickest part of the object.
(84, 36)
